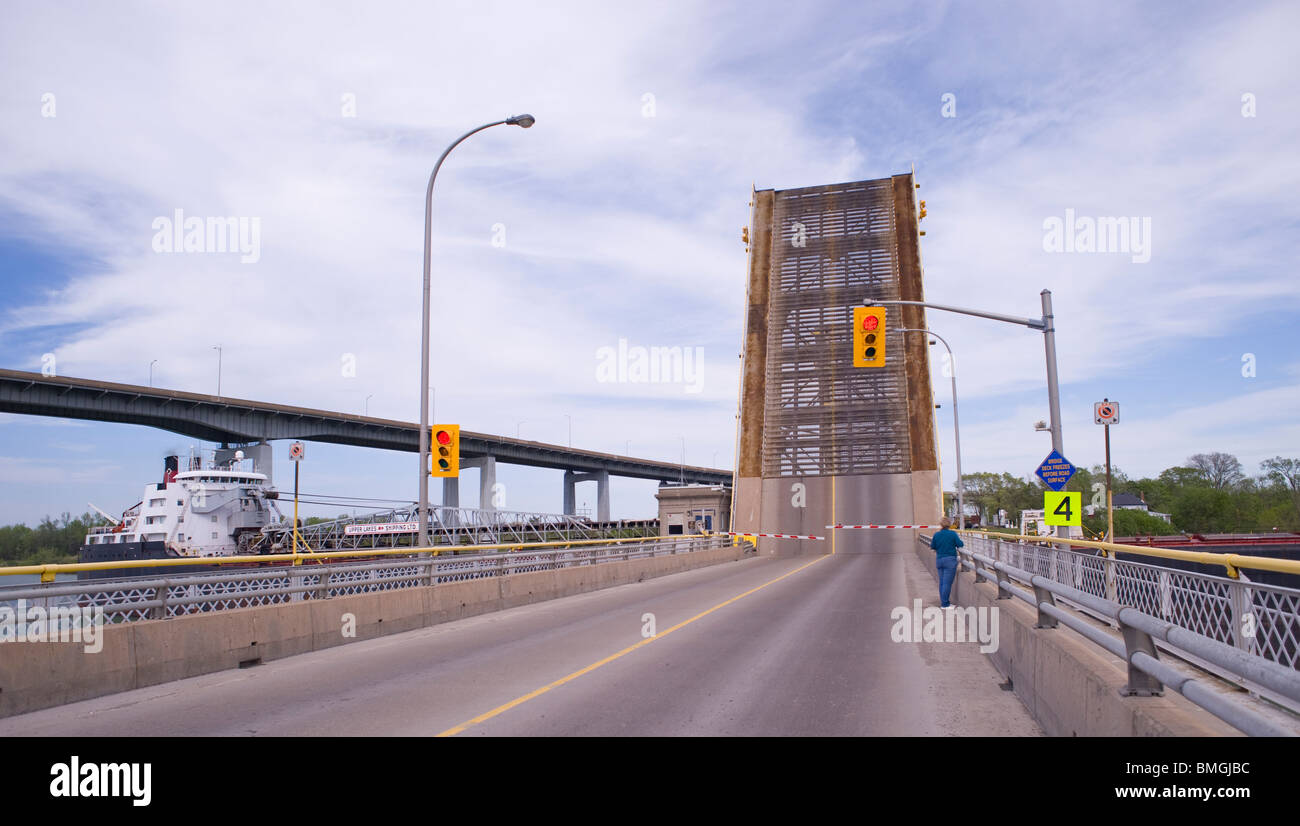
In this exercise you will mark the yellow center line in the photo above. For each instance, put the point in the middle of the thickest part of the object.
(454, 730)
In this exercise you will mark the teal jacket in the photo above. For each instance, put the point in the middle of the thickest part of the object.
(945, 543)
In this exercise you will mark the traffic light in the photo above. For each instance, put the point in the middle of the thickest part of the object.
(445, 450)
(868, 336)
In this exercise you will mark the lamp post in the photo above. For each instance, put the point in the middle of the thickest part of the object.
(956, 428)
(570, 418)
(217, 347)
(519, 428)
(368, 398)
(524, 121)
(151, 364)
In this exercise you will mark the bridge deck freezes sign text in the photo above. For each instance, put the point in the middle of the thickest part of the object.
(1055, 471)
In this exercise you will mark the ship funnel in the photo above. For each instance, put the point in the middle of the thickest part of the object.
(171, 465)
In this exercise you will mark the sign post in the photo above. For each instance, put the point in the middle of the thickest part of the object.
(296, 452)
(1106, 413)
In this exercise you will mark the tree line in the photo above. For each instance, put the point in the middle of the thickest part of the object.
(52, 541)
(1211, 493)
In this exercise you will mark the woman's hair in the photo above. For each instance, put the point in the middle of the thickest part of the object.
(945, 522)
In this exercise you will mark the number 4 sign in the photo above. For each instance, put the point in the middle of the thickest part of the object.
(1064, 508)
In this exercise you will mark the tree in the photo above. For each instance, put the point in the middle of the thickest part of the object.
(1130, 523)
(1284, 474)
(1203, 509)
(1182, 477)
(1282, 471)
(1221, 470)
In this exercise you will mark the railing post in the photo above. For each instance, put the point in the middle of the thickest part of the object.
(1243, 619)
(1140, 683)
(323, 585)
(1042, 595)
(160, 610)
(1004, 583)
(1109, 562)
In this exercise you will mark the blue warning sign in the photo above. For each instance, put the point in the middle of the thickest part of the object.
(1055, 471)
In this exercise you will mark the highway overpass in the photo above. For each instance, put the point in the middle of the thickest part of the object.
(242, 421)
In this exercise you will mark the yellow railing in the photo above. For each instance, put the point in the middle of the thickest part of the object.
(1231, 562)
(48, 572)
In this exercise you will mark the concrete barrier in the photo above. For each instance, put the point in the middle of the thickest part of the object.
(1069, 684)
(36, 675)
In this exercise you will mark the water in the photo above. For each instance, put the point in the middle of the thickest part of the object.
(30, 579)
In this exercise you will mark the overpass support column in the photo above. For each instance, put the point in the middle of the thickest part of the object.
(570, 494)
(601, 478)
(450, 499)
(487, 479)
(602, 495)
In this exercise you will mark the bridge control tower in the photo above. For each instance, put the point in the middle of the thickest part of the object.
(823, 442)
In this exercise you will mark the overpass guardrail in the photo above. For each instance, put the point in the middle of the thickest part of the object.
(1247, 633)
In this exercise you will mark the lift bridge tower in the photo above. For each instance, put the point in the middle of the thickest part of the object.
(823, 442)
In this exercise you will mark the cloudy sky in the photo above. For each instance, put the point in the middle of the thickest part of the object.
(618, 217)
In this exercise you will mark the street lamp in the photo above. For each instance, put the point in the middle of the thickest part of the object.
(570, 418)
(151, 364)
(368, 398)
(524, 121)
(217, 347)
(519, 428)
(956, 428)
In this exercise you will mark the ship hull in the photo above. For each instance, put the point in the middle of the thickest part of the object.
(133, 552)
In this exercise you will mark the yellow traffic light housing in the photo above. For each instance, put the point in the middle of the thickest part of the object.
(444, 450)
(868, 336)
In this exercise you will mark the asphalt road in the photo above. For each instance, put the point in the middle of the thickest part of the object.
(756, 647)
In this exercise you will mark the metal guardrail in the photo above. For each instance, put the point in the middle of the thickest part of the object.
(1200, 618)
(140, 598)
(1230, 562)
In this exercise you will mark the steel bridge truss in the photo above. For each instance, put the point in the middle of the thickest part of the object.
(453, 526)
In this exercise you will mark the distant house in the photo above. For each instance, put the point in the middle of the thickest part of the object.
(1127, 502)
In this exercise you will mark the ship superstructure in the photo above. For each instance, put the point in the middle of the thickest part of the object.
(201, 508)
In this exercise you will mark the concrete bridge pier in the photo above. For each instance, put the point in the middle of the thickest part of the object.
(601, 478)
(487, 479)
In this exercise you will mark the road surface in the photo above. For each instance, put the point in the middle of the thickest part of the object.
(762, 646)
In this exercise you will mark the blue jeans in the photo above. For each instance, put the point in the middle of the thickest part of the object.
(947, 566)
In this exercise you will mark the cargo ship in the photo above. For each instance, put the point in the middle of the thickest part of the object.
(222, 507)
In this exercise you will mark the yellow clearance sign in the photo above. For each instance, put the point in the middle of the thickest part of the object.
(1063, 508)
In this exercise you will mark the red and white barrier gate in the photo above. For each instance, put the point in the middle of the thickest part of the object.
(884, 527)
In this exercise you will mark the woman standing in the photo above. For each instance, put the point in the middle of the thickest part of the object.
(945, 543)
